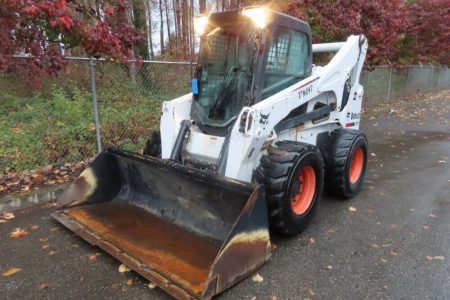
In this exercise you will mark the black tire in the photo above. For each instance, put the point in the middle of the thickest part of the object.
(153, 145)
(279, 171)
(344, 146)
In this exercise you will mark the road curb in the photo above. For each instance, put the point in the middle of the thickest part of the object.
(21, 201)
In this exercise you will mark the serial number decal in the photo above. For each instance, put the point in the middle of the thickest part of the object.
(305, 92)
(353, 116)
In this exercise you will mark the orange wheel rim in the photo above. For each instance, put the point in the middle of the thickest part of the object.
(356, 165)
(304, 196)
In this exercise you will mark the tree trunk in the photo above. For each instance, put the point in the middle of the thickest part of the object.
(234, 4)
(161, 32)
(167, 22)
(202, 6)
(185, 25)
(148, 23)
(129, 15)
(191, 29)
(175, 21)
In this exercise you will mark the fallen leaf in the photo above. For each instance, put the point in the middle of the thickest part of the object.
(312, 240)
(34, 227)
(8, 216)
(257, 278)
(114, 285)
(151, 285)
(123, 268)
(54, 229)
(130, 282)
(11, 271)
(393, 253)
(43, 286)
(43, 239)
(311, 291)
(433, 216)
(52, 252)
(376, 246)
(330, 230)
(384, 260)
(440, 257)
(429, 257)
(2, 221)
(19, 232)
(425, 227)
(330, 267)
(45, 247)
(273, 297)
(94, 256)
(351, 208)
(373, 154)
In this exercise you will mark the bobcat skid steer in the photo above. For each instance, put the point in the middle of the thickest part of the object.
(253, 145)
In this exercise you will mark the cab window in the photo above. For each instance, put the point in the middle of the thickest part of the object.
(287, 60)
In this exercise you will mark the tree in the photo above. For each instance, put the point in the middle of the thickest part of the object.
(428, 38)
(36, 28)
(384, 22)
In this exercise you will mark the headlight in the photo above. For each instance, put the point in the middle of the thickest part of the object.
(257, 14)
(200, 23)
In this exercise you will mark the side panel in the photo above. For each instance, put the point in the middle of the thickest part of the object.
(203, 147)
(350, 116)
(173, 112)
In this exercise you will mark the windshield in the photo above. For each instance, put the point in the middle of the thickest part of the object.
(226, 60)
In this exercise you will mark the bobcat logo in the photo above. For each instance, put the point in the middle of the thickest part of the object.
(264, 120)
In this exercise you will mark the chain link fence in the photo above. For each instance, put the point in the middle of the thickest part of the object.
(56, 124)
(385, 83)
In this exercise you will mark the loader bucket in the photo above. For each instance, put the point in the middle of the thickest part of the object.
(192, 233)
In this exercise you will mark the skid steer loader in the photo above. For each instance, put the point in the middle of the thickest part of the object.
(253, 145)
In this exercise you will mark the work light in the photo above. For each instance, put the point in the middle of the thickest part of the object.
(200, 23)
(257, 14)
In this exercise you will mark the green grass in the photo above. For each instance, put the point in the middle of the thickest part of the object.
(54, 124)
(58, 127)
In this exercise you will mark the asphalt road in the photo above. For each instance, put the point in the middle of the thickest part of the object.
(394, 242)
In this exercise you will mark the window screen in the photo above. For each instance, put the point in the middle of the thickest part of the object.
(286, 61)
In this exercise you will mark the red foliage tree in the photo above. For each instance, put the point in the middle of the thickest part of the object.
(428, 39)
(41, 28)
(384, 22)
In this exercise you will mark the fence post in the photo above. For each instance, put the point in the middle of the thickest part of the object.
(430, 84)
(406, 94)
(95, 105)
(389, 86)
